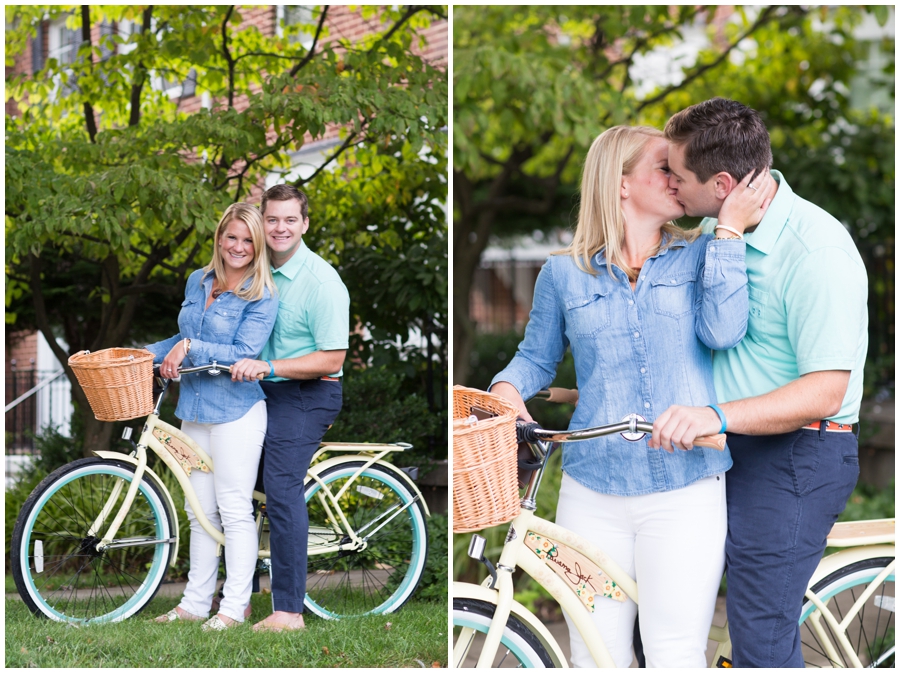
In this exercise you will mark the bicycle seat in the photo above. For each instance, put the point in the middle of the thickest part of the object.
(857, 533)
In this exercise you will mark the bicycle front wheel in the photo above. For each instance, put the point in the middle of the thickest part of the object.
(519, 646)
(57, 567)
(870, 625)
(381, 570)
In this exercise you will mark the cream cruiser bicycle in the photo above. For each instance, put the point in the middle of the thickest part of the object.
(846, 619)
(95, 538)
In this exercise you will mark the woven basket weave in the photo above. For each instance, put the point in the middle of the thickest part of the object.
(118, 382)
(485, 483)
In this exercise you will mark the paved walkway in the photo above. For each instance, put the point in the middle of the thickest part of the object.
(561, 632)
(172, 589)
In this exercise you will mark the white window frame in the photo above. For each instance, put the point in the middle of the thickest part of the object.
(306, 38)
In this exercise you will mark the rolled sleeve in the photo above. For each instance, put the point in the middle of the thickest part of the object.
(534, 365)
(724, 305)
(331, 327)
(161, 348)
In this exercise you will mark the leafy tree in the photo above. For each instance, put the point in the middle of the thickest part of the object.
(533, 86)
(112, 190)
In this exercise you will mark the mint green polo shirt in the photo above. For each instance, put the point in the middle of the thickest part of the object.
(808, 291)
(313, 309)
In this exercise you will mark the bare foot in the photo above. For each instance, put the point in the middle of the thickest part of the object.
(281, 621)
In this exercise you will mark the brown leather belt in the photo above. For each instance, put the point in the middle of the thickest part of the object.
(830, 426)
(329, 378)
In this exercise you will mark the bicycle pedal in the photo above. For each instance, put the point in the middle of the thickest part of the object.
(724, 663)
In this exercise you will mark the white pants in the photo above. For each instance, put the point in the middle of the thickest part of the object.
(226, 498)
(673, 544)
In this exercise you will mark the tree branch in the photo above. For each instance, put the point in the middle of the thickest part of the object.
(763, 18)
(86, 37)
(312, 48)
(347, 144)
(140, 74)
(228, 59)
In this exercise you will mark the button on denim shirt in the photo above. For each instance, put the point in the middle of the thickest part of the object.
(229, 330)
(636, 351)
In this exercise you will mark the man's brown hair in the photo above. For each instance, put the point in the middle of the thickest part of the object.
(721, 135)
(284, 193)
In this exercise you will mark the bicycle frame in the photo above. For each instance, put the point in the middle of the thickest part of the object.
(516, 554)
(182, 455)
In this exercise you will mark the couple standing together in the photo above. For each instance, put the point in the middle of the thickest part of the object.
(757, 328)
(274, 310)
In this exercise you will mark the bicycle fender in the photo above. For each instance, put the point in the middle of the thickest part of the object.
(847, 556)
(318, 468)
(480, 593)
(113, 455)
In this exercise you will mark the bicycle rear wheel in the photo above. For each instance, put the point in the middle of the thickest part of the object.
(379, 575)
(57, 568)
(519, 646)
(870, 629)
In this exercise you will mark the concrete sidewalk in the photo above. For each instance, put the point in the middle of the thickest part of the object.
(560, 631)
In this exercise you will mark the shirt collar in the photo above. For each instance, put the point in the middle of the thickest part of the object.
(600, 257)
(773, 222)
(292, 267)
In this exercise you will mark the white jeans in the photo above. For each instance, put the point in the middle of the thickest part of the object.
(673, 544)
(225, 496)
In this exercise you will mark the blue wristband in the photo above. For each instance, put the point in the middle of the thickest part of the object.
(721, 415)
(272, 369)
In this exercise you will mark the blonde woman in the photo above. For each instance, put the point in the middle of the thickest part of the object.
(641, 303)
(228, 313)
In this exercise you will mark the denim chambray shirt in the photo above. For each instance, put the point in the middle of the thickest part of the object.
(230, 329)
(637, 351)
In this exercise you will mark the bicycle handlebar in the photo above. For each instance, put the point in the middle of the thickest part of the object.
(214, 369)
(532, 432)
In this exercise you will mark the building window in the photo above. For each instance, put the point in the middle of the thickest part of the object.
(63, 42)
(300, 24)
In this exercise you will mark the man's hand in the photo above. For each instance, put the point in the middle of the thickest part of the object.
(746, 205)
(679, 426)
(249, 370)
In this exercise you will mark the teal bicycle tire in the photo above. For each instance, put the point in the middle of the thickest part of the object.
(381, 578)
(517, 641)
(871, 633)
(58, 571)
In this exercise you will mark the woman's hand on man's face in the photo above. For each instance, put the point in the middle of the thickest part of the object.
(747, 203)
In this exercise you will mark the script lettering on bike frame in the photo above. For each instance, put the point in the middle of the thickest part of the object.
(181, 452)
(582, 576)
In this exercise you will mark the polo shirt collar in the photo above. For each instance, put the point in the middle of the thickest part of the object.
(292, 267)
(773, 222)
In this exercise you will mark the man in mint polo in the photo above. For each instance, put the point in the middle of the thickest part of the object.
(302, 364)
(789, 393)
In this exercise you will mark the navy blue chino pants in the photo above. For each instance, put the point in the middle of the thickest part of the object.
(300, 412)
(784, 494)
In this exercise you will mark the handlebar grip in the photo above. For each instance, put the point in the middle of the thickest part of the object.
(563, 395)
(711, 442)
(525, 432)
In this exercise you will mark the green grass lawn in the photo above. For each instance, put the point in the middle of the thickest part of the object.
(415, 636)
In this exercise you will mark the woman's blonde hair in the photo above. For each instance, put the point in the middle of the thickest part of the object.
(601, 220)
(258, 269)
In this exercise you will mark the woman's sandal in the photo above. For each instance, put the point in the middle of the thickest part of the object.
(215, 623)
(173, 616)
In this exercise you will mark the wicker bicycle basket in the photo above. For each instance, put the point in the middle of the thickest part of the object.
(485, 482)
(118, 382)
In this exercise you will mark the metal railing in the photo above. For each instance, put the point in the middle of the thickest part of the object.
(35, 399)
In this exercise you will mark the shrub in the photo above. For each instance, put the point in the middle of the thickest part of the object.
(433, 586)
